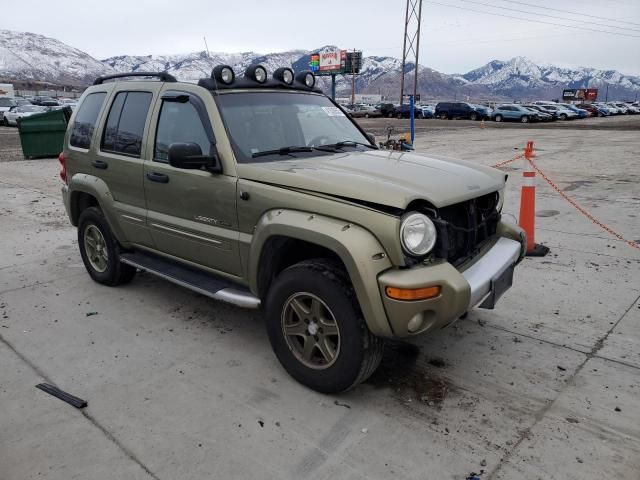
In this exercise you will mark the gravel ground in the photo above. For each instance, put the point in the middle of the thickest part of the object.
(545, 386)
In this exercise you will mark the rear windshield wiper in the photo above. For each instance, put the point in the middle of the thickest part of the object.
(351, 143)
(282, 151)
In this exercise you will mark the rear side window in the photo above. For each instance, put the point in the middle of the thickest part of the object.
(180, 123)
(85, 121)
(7, 102)
(125, 123)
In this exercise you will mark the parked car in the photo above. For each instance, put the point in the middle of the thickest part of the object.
(622, 109)
(545, 114)
(6, 103)
(542, 115)
(605, 106)
(22, 101)
(629, 109)
(561, 112)
(451, 110)
(403, 111)
(10, 118)
(579, 111)
(514, 112)
(68, 102)
(341, 244)
(387, 109)
(593, 109)
(425, 111)
(44, 101)
(483, 111)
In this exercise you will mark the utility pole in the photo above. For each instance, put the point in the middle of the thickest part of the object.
(606, 96)
(353, 78)
(411, 43)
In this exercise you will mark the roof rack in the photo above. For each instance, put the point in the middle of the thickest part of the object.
(163, 76)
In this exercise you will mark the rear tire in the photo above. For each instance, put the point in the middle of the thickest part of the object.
(309, 300)
(6, 123)
(563, 116)
(474, 116)
(444, 116)
(498, 118)
(100, 250)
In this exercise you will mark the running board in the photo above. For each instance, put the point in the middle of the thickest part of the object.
(212, 286)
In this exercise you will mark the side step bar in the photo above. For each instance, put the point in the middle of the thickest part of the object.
(204, 283)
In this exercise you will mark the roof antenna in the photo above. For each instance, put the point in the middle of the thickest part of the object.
(209, 57)
(206, 47)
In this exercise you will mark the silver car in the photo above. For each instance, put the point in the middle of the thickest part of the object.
(10, 117)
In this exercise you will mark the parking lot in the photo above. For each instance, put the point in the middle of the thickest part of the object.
(546, 386)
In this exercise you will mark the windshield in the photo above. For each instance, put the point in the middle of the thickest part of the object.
(260, 122)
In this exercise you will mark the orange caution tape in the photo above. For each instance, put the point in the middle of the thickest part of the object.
(528, 155)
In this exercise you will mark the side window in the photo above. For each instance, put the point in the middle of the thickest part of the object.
(180, 122)
(85, 121)
(125, 123)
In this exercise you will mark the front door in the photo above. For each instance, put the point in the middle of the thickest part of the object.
(191, 213)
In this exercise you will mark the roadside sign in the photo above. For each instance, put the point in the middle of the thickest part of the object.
(580, 94)
(330, 60)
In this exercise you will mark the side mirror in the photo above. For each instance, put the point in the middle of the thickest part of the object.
(189, 156)
(371, 137)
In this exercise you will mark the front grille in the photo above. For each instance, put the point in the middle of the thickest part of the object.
(463, 228)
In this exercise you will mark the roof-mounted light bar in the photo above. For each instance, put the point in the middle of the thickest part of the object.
(256, 76)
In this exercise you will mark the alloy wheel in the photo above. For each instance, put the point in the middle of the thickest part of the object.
(310, 330)
(96, 248)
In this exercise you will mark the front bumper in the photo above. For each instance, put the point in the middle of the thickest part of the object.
(479, 283)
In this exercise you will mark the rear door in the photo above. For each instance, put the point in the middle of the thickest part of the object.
(119, 157)
(191, 213)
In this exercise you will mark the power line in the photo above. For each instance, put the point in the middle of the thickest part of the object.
(531, 20)
(582, 14)
(550, 16)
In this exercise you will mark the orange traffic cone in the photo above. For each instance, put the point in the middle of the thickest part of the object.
(482, 123)
(527, 219)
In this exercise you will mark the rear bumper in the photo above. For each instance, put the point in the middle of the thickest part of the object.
(461, 290)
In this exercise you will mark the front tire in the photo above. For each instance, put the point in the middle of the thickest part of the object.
(100, 250)
(474, 116)
(563, 116)
(524, 119)
(316, 328)
(498, 118)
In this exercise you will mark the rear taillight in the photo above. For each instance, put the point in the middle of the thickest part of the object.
(63, 167)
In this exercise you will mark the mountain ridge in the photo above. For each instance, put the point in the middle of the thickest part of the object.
(28, 57)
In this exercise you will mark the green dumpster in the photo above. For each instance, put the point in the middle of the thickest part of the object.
(42, 135)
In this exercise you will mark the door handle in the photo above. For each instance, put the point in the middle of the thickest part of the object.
(100, 164)
(158, 177)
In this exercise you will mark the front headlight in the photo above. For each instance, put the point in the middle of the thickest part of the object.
(417, 234)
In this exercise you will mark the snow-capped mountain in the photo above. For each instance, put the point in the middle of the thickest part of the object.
(30, 57)
(520, 77)
(27, 57)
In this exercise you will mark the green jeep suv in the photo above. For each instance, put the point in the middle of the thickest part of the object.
(260, 191)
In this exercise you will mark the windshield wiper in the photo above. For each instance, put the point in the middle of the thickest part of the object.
(282, 151)
(351, 143)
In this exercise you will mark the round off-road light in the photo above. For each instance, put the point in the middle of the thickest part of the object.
(256, 73)
(223, 74)
(417, 234)
(283, 74)
(307, 78)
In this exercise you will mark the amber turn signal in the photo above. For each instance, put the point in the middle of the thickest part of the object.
(413, 293)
